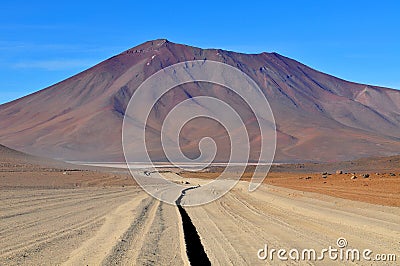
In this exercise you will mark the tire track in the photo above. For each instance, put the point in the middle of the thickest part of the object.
(27, 237)
(8, 250)
(134, 236)
(284, 219)
(53, 211)
(111, 235)
(162, 245)
(57, 202)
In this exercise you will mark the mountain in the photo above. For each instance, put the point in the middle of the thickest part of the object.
(19, 161)
(7, 153)
(319, 117)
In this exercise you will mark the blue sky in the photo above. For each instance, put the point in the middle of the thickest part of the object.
(44, 42)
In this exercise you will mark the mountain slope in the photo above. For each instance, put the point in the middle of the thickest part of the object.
(319, 117)
(16, 161)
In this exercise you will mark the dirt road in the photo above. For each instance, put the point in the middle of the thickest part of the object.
(91, 226)
(124, 226)
(234, 228)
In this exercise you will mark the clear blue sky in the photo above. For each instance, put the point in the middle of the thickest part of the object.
(44, 42)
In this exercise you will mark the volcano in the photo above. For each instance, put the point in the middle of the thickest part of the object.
(318, 117)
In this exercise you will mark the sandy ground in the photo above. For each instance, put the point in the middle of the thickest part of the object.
(51, 179)
(379, 188)
(52, 216)
(235, 227)
(87, 226)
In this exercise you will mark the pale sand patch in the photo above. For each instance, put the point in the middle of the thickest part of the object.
(235, 227)
(95, 249)
(44, 226)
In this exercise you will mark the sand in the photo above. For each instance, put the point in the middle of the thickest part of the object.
(235, 227)
(88, 226)
(82, 217)
(379, 188)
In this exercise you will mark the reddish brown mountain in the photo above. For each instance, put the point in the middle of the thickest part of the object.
(319, 117)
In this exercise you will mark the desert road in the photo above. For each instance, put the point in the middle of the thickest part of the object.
(125, 226)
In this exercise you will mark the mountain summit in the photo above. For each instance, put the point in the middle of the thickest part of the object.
(319, 117)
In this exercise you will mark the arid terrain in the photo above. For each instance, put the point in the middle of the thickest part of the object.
(346, 180)
(59, 214)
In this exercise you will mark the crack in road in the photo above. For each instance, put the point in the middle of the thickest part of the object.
(194, 248)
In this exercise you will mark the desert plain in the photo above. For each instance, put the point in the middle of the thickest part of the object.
(62, 214)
